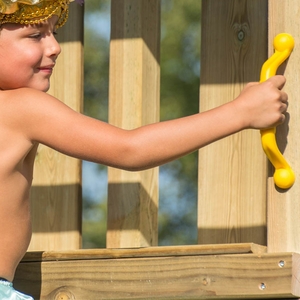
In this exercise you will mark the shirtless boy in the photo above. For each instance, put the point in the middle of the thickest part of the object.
(29, 116)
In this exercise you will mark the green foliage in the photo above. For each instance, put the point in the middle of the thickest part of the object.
(96, 60)
(180, 68)
(180, 65)
(180, 72)
(96, 6)
(94, 224)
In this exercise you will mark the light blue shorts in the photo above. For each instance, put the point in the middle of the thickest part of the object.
(7, 292)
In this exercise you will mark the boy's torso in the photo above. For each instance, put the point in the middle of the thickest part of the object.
(17, 156)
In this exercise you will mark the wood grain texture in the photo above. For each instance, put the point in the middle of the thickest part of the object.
(232, 172)
(134, 101)
(56, 191)
(237, 276)
(35, 256)
(284, 206)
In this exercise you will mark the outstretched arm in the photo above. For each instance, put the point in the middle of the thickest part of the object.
(46, 120)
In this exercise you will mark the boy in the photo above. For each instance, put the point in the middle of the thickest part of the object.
(29, 116)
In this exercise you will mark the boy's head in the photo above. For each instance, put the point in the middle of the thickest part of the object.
(28, 48)
(27, 42)
(27, 12)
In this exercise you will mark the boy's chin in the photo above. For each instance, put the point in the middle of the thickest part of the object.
(46, 89)
(41, 88)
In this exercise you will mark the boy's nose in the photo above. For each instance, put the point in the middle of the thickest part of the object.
(53, 47)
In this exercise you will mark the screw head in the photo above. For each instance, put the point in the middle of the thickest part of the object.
(262, 286)
(281, 263)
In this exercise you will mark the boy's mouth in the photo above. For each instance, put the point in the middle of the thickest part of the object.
(47, 69)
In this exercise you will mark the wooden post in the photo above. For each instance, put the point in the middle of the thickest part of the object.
(56, 191)
(284, 206)
(134, 101)
(232, 172)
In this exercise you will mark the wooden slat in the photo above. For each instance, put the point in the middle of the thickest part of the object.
(244, 276)
(232, 172)
(284, 206)
(134, 101)
(56, 191)
(144, 252)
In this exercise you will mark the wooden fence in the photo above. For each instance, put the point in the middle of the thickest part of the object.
(249, 230)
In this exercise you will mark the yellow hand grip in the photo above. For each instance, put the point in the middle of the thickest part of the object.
(284, 176)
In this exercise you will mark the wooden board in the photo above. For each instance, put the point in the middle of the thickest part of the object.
(180, 276)
(134, 101)
(284, 206)
(35, 256)
(56, 191)
(232, 172)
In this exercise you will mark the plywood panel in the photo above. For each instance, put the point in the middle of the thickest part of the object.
(232, 172)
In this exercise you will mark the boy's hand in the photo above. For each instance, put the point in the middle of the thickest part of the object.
(263, 104)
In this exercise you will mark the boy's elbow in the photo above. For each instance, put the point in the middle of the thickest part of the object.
(134, 157)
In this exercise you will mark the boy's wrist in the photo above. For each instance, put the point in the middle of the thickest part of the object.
(240, 114)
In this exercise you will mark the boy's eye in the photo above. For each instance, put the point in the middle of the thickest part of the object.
(35, 36)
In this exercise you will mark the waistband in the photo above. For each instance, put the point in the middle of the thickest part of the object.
(5, 282)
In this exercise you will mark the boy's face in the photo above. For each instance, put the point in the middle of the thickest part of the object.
(28, 55)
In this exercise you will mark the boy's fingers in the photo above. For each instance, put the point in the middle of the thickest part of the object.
(284, 97)
(278, 80)
(250, 84)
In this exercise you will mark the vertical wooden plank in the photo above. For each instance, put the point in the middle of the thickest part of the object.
(56, 191)
(232, 172)
(134, 101)
(284, 206)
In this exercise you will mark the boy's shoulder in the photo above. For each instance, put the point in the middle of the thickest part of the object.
(34, 113)
(15, 105)
(26, 100)
(27, 106)
(21, 93)
(19, 97)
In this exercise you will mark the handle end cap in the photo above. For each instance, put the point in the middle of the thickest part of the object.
(283, 42)
(284, 178)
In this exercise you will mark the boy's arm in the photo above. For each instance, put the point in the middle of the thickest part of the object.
(46, 120)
